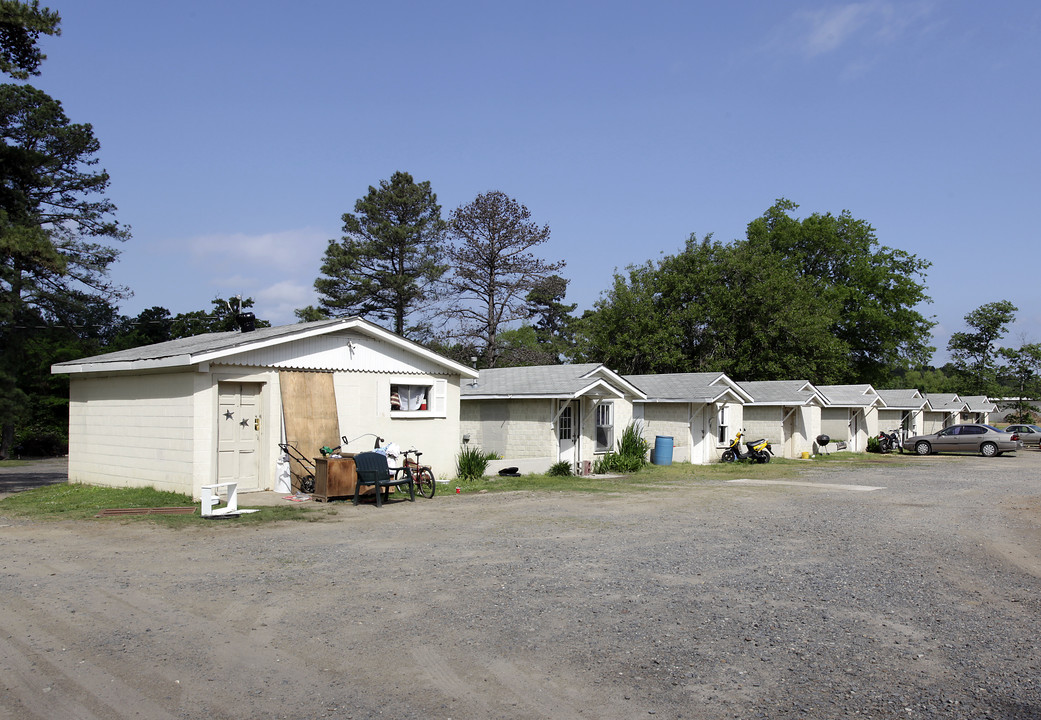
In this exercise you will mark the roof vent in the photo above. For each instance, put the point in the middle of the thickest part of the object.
(247, 322)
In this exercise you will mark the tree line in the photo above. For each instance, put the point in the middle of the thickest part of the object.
(816, 298)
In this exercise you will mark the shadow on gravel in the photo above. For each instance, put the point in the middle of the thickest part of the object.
(1017, 711)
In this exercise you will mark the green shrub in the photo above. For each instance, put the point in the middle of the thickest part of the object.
(472, 463)
(561, 469)
(873, 445)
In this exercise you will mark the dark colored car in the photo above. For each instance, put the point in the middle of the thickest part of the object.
(1029, 434)
(983, 439)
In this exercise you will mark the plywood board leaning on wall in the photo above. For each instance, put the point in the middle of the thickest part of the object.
(309, 412)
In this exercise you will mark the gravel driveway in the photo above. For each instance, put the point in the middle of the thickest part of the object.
(812, 598)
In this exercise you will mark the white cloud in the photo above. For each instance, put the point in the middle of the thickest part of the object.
(296, 249)
(874, 22)
(276, 269)
(281, 299)
(830, 28)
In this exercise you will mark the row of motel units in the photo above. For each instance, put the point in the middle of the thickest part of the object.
(221, 407)
(532, 417)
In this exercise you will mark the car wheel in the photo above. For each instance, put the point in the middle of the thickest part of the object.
(922, 447)
(989, 449)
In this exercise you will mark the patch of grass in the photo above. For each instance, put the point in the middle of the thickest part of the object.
(650, 477)
(658, 477)
(80, 502)
(13, 463)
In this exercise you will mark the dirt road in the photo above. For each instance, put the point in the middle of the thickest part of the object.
(908, 590)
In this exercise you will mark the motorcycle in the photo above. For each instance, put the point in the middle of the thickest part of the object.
(889, 441)
(758, 451)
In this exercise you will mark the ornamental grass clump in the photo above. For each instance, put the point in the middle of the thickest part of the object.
(472, 463)
(631, 453)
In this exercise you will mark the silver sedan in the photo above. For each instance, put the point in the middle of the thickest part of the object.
(983, 439)
(1029, 434)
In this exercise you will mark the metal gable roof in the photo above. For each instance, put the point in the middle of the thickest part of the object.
(548, 381)
(702, 387)
(213, 347)
(783, 392)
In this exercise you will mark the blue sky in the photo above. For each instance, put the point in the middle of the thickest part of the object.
(237, 133)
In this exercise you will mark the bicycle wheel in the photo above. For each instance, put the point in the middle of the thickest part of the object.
(425, 484)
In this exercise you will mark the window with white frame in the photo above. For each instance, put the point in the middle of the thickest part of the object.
(604, 427)
(722, 423)
(417, 398)
(564, 424)
(409, 397)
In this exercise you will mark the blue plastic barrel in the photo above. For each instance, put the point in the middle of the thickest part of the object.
(662, 454)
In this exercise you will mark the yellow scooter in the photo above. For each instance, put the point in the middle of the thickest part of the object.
(759, 451)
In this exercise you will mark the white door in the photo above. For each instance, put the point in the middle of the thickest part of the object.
(701, 436)
(789, 439)
(567, 432)
(238, 434)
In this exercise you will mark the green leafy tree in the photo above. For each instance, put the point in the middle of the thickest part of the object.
(21, 24)
(629, 327)
(817, 298)
(522, 346)
(389, 260)
(714, 307)
(1021, 369)
(974, 353)
(874, 289)
(926, 379)
(494, 268)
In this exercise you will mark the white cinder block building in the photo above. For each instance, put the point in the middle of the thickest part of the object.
(850, 415)
(536, 416)
(699, 411)
(212, 408)
(786, 412)
(903, 411)
(941, 410)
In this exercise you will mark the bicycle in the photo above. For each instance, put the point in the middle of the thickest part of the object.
(422, 475)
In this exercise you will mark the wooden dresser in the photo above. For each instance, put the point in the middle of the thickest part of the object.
(336, 478)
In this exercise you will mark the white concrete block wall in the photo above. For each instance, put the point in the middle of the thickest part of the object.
(764, 421)
(362, 408)
(871, 427)
(530, 433)
(807, 428)
(470, 422)
(527, 433)
(669, 420)
(132, 432)
(890, 420)
(835, 424)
